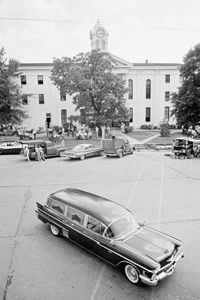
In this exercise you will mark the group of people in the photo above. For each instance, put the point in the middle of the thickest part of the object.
(38, 150)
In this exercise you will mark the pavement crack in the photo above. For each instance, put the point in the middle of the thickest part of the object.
(9, 280)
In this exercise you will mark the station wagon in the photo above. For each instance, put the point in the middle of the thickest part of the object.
(109, 230)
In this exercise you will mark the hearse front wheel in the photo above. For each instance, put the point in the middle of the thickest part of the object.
(82, 157)
(120, 154)
(132, 274)
(54, 230)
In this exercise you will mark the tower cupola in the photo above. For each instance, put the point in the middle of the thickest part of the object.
(99, 37)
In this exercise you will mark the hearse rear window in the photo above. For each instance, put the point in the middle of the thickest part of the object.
(59, 207)
(95, 226)
(75, 215)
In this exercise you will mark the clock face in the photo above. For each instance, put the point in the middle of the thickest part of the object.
(100, 33)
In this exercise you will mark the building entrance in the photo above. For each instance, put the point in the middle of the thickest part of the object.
(48, 120)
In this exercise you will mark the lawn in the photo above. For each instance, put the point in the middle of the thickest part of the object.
(143, 134)
(168, 140)
(71, 142)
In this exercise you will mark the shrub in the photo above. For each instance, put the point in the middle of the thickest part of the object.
(164, 129)
(127, 129)
(147, 126)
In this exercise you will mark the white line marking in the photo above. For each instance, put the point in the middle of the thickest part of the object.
(97, 284)
(161, 196)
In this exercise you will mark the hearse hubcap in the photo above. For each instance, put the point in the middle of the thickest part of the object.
(82, 157)
(54, 230)
(131, 274)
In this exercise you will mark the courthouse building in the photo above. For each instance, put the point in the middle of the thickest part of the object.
(149, 88)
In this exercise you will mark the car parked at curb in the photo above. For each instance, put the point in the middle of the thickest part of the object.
(49, 148)
(109, 230)
(83, 151)
(117, 147)
(11, 148)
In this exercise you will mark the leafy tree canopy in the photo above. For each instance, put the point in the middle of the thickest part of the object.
(187, 100)
(97, 92)
(11, 111)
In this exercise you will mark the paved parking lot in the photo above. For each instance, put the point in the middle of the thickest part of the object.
(161, 191)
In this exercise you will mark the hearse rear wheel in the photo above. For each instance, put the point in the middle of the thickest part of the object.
(54, 230)
(132, 274)
(82, 157)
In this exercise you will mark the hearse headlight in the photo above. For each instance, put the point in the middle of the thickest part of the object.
(180, 248)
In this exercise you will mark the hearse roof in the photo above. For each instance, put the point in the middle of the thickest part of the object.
(98, 207)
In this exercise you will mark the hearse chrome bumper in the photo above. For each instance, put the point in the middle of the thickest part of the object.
(165, 273)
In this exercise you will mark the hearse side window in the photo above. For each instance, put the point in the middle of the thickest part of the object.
(58, 207)
(95, 226)
(75, 215)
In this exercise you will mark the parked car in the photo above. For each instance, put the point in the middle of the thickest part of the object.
(10, 148)
(186, 147)
(117, 147)
(50, 149)
(110, 231)
(83, 151)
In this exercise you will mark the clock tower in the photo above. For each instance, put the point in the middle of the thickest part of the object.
(99, 37)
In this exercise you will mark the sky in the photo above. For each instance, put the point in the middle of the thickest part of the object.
(161, 31)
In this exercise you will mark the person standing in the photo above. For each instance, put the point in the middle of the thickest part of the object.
(97, 131)
(37, 151)
(41, 152)
(34, 134)
(26, 153)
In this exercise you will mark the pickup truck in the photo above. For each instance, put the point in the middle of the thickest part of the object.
(49, 148)
(117, 147)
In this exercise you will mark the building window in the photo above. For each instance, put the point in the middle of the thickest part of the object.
(23, 79)
(166, 113)
(62, 96)
(24, 99)
(40, 79)
(130, 114)
(148, 114)
(121, 76)
(41, 98)
(130, 89)
(167, 78)
(148, 89)
(63, 116)
(167, 96)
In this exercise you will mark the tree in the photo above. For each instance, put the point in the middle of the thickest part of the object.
(164, 129)
(11, 111)
(187, 100)
(97, 92)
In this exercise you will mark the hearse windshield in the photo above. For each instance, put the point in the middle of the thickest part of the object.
(122, 227)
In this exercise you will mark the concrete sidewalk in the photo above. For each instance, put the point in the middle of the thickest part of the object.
(135, 141)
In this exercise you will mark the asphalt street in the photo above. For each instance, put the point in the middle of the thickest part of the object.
(34, 264)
